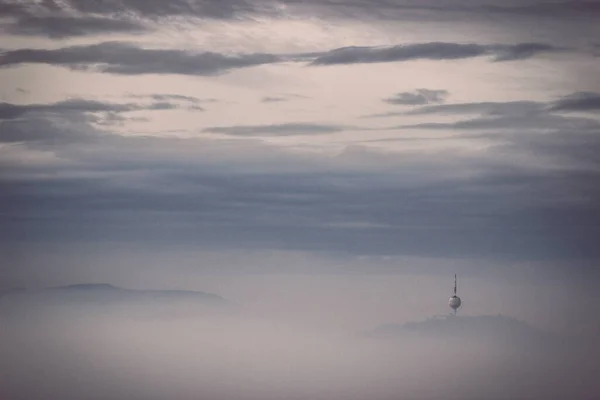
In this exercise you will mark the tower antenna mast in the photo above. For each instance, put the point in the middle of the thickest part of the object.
(455, 284)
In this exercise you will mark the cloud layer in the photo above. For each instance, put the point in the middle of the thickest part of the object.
(276, 130)
(431, 51)
(501, 204)
(129, 59)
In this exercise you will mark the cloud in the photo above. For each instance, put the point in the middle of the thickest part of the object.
(273, 99)
(48, 130)
(484, 108)
(68, 120)
(581, 101)
(289, 129)
(11, 8)
(59, 27)
(521, 51)
(234, 9)
(282, 97)
(12, 111)
(128, 59)
(419, 97)
(530, 192)
(218, 9)
(82, 17)
(510, 122)
(246, 195)
(431, 10)
(430, 51)
(74, 18)
(177, 97)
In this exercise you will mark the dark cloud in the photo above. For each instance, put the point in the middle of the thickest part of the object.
(431, 10)
(521, 51)
(581, 101)
(172, 191)
(10, 8)
(219, 9)
(273, 99)
(290, 129)
(54, 122)
(282, 97)
(532, 122)
(59, 27)
(555, 9)
(485, 108)
(72, 18)
(214, 9)
(12, 111)
(232, 9)
(178, 97)
(430, 51)
(419, 97)
(489, 108)
(47, 130)
(54, 20)
(190, 103)
(532, 194)
(435, 51)
(128, 59)
(108, 16)
(505, 213)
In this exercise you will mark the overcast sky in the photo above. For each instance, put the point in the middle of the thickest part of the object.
(228, 136)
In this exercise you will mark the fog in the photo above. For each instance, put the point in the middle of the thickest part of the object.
(101, 342)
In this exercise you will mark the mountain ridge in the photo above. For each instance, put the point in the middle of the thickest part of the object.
(105, 294)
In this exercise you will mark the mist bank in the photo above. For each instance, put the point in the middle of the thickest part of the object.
(101, 352)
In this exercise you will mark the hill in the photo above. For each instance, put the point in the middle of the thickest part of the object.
(495, 328)
(105, 297)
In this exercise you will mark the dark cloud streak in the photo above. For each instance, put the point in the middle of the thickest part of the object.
(418, 97)
(510, 122)
(129, 16)
(59, 27)
(581, 101)
(576, 102)
(128, 59)
(431, 51)
(42, 122)
(289, 129)
(12, 111)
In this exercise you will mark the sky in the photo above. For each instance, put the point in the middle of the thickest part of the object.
(188, 143)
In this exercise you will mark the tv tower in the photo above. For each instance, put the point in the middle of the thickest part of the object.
(454, 301)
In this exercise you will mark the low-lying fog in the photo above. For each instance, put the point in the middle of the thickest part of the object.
(102, 342)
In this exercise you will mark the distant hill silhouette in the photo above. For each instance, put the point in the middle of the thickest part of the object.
(497, 328)
(104, 295)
